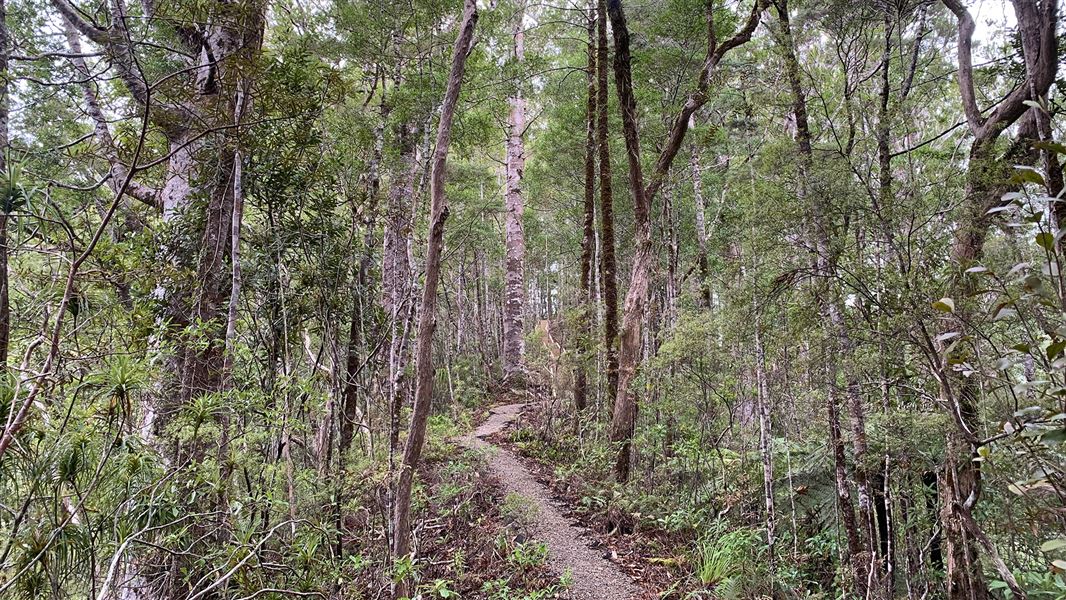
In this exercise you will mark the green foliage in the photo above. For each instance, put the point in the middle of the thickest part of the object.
(728, 560)
(529, 554)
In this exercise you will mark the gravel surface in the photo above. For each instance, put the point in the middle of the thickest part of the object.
(593, 576)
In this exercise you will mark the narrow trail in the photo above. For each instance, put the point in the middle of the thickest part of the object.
(593, 577)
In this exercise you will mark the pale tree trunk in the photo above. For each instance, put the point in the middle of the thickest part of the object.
(765, 439)
(197, 359)
(200, 163)
(629, 356)
(584, 336)
(401, 517)
(5, 208)
(243, 104)
(350, 412)
(515, 293)
(672, 261)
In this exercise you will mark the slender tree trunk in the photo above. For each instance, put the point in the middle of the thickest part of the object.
(673, 258)
(428, 310)
(961, 484)
(5, 299)
(608, 264)
(625, 406)
(701, 226)
(625, 401)
(350, 398)
(514, 296)
(588, 226)
(843, 486)
(765, 439)
(397, 285)
(858, 533)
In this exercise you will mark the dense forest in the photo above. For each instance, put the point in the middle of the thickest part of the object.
(517, 300)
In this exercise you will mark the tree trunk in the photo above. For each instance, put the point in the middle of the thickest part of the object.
(608, 264)
(350, 399)
(825, 265)
(960, 488)
(397, 279)
(765, 439)
(701, 227)
(5, 203)
(625, 407)
(428, 309)
(625, 402)
(584, 336)
(514, 296)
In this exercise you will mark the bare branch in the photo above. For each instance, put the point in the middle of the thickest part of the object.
(73, 16)
(118, 171)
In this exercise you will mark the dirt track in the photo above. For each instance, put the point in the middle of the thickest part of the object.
(593, 577)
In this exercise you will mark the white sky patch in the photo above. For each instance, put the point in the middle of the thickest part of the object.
(990, 17)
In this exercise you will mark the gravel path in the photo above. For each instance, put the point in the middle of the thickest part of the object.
(593, 577)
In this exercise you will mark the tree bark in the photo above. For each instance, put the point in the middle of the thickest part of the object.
(428, 308)
(515, 293)
(765, 439)
(201, 163)
(397, 278)
(701, 226)
(608, 263)
(859, 535)
(5, 207)
(584, 336)
(350, 414)
(625, 409)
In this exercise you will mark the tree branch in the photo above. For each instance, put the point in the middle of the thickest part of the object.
(965, 58)
(118, 171)
(698, 97)
(83, 25)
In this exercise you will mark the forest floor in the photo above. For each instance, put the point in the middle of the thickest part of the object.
(571, 551)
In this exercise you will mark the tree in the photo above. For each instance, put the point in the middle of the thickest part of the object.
(588, 223)
(514, 304)
(608, 262)
(986, 176)
(428, 307)
(625, 403)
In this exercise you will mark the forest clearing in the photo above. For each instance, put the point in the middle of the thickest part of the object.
(513, 300)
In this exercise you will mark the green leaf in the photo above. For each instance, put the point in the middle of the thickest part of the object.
(1052, 545)
(945, 305)
(1051, 146)
(1027, 175)
(1017, 269)
(1055, 349)
(1003, 363)
(1053, 437)
(1046, 241)
(1034, 104)
(1004, 312)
